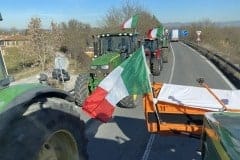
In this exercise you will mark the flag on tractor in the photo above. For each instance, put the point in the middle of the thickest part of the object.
(131, 22)
(155, 32)
(129, 78)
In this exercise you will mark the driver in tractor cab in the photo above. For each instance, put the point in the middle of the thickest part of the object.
(123, 48)
(147, 49)
(151, 48)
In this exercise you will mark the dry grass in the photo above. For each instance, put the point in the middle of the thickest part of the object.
(222, 40)
(26, 73)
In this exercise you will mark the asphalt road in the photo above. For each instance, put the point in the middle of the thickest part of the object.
(125, 137)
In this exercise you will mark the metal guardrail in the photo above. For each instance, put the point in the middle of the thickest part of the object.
(231, 71)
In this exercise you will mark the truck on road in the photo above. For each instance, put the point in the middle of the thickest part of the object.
(175, 35)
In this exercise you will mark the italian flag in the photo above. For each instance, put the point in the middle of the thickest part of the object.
(129, 78)
(131, 22)
(155, 32)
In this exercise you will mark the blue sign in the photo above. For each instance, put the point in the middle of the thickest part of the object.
(184, 33)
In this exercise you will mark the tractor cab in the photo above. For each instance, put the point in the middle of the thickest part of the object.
(110, 50)
(151, 47)
(119, 42)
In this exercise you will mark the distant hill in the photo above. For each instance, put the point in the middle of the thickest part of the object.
(220, 24)
(229, 24)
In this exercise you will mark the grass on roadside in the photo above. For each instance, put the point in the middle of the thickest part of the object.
(26, 73)
(14, 63)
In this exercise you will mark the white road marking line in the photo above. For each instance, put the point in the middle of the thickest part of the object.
(214, 67)
(173, 65)
(152, 137)
(221, 75)
(149, 147)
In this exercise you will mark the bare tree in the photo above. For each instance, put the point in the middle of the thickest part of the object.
(56, 36)
(39, 41)
(116, 16)
(219, 39)
(76, 39)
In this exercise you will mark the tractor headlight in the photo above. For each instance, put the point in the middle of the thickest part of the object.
(105, 67)
(93, 67)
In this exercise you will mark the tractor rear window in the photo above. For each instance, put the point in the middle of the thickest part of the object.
(151, 45)
(116, 43)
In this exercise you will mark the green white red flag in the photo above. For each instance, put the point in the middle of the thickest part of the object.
(155, 32)
(129, 78)
(131, 22)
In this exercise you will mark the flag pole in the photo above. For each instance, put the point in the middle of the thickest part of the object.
(152, 90)
(203, 84)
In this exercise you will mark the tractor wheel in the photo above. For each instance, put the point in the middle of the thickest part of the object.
(155, 66)
(46, 131)
(165, 53)
(128, 102)
(161, 63)
(81, 90)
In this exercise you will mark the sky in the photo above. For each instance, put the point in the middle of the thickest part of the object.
(17, 13)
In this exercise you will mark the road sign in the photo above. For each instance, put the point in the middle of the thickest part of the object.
(198, 36)
(184, 33)
(198, 33)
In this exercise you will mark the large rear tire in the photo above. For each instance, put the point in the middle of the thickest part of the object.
(165, 52)
(155, 66)
(46, 131)
(81, 90)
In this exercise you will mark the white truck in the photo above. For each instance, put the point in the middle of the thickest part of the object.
(174, 35)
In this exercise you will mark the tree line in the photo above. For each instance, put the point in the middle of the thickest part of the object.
(76, 36)
(224, 40)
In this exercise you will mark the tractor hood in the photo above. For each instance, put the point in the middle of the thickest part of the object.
(11, 92)
(105, 59)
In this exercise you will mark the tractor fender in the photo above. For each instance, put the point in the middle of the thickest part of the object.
(16, 108)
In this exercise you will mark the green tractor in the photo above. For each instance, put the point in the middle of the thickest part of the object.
(38, 122)
(110, 50)
(165, 46)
